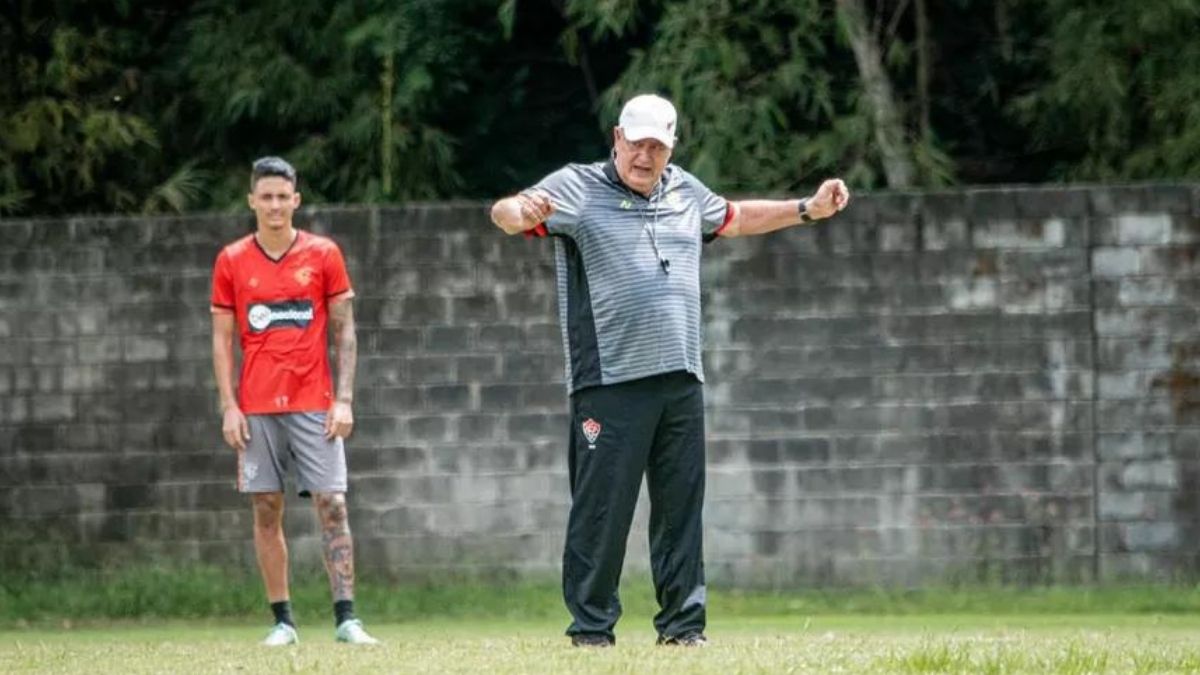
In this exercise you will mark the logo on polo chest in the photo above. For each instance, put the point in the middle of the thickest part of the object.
(303, 276)
(265, 316)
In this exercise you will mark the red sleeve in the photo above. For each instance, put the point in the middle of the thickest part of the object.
(222, 283)
(539, 230)
(337, 279)
(729, 213)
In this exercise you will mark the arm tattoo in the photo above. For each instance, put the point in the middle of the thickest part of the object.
(341, 315)
(337, 545)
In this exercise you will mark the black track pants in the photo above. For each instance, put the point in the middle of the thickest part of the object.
(652, 426)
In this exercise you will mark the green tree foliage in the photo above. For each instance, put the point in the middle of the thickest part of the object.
(68, 141)
(1122, 92)
(769, 90)
(160, 106)
(350, 92)
(758, 108)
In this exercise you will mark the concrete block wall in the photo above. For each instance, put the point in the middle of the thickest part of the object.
(980, 385)
(1148, 385)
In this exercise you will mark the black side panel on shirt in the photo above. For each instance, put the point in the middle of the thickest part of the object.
(581, 325)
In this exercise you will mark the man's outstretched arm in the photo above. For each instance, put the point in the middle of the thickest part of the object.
(760, 216)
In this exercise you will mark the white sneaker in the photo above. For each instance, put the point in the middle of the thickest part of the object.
(281, 635)
(351, 631)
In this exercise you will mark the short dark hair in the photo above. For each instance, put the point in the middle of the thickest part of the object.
(265, 167)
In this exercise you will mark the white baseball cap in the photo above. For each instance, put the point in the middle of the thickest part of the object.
(649, 116)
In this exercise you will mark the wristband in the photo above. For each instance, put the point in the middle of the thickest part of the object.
(802, 208)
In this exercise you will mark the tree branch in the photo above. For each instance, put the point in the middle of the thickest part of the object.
(888, 123)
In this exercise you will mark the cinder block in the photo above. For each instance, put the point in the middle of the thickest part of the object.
(1133, 445)
(890, 206)
(142, 348)
(480, 428)
(450, 279)
(379, 492)
(428, 428)
(404, 521)
(420, 310)
(943, 206)
(535, 368)
(377, 431)
(1171, 260)
(1135, 505)
(1019, 234)
(395, 460)
(946, 233)
(521, 304)
(49, 352)
(1126, 385)
(1172, 199)
(1162, 474)
(1115, 262)
(530, 427)
(1053, 202)
(481, 368)
(500, 397)
(501, 337)
(447, 398)
(992, 203)
(1151, 536)
(549, 397)
(396, 341)
(398, 400)
(430, 369)
(17, 234)
(729, 483)
(1135, 229)
(1049, 262)
(51, 407)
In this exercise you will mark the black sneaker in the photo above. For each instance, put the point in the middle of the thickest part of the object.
(592, 640)
(692, 639)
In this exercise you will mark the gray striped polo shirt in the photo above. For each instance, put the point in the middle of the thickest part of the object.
(623, 315)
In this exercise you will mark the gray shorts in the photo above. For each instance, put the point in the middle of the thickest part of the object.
(276, 441)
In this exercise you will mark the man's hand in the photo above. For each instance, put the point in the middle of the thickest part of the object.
(522, 211)
(339, 422)
(234, 428)
(536, 207)
(830, 198)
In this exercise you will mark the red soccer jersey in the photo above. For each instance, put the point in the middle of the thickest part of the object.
(282, 316)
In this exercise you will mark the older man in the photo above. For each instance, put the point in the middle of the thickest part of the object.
(628, 234)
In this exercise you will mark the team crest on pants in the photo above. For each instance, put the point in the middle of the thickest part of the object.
(591, 431)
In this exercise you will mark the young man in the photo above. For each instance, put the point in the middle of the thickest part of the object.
(628, 234)
(281, 290)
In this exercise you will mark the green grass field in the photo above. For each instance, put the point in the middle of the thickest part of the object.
(822, 644)
(210, 620)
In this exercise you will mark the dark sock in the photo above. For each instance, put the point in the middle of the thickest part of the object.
(283, 612)
(343, 610)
